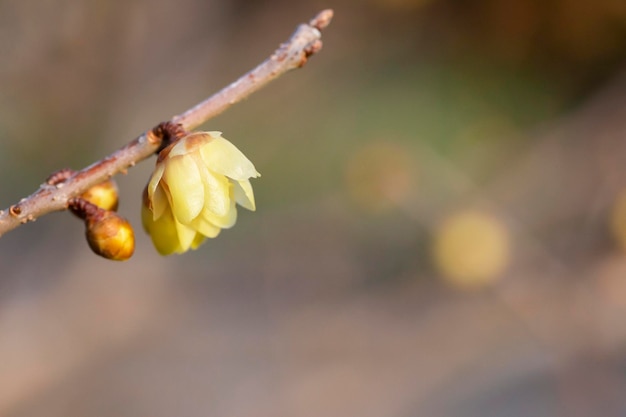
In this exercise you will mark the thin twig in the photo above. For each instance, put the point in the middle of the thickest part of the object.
(294, 53)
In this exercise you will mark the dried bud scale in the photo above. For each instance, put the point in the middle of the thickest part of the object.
(169, 133)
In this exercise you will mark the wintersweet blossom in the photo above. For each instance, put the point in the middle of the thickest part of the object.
(193, 191)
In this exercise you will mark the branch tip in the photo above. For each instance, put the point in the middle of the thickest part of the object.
(322, 20)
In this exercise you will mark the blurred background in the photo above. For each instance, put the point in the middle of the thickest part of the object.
(441, 219)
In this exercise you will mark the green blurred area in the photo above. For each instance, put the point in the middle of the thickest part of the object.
(437, 230)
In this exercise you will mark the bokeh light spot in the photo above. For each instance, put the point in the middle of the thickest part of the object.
(471, 249)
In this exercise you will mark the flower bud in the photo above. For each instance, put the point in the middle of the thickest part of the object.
(110, 236)
(104, 195)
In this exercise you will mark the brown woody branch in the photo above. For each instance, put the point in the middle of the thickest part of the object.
(53, 195)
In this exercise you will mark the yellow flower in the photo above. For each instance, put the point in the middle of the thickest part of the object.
(193, 191)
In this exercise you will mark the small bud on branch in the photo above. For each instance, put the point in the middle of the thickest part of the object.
(108, 234)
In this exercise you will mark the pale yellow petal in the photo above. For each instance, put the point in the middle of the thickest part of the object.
(216, 191)
(244, 194)
(190, 143)
(147, 219)
(224, 158)
(226, 221)
(185, 188)
(205, 228)
(162, 232)
(154, 179)
(159, 203)
(199, 239)
(186, 235)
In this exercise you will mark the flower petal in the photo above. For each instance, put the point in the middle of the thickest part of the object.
(189, 143)
(202, 226)
(146, 219)
(159, 203)
(224, 158)
(163, 231)
(154, 180)
(197, 241)
(185, 188)
(186, 236)
(226, 221)
(244, 194)
(216, 191)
